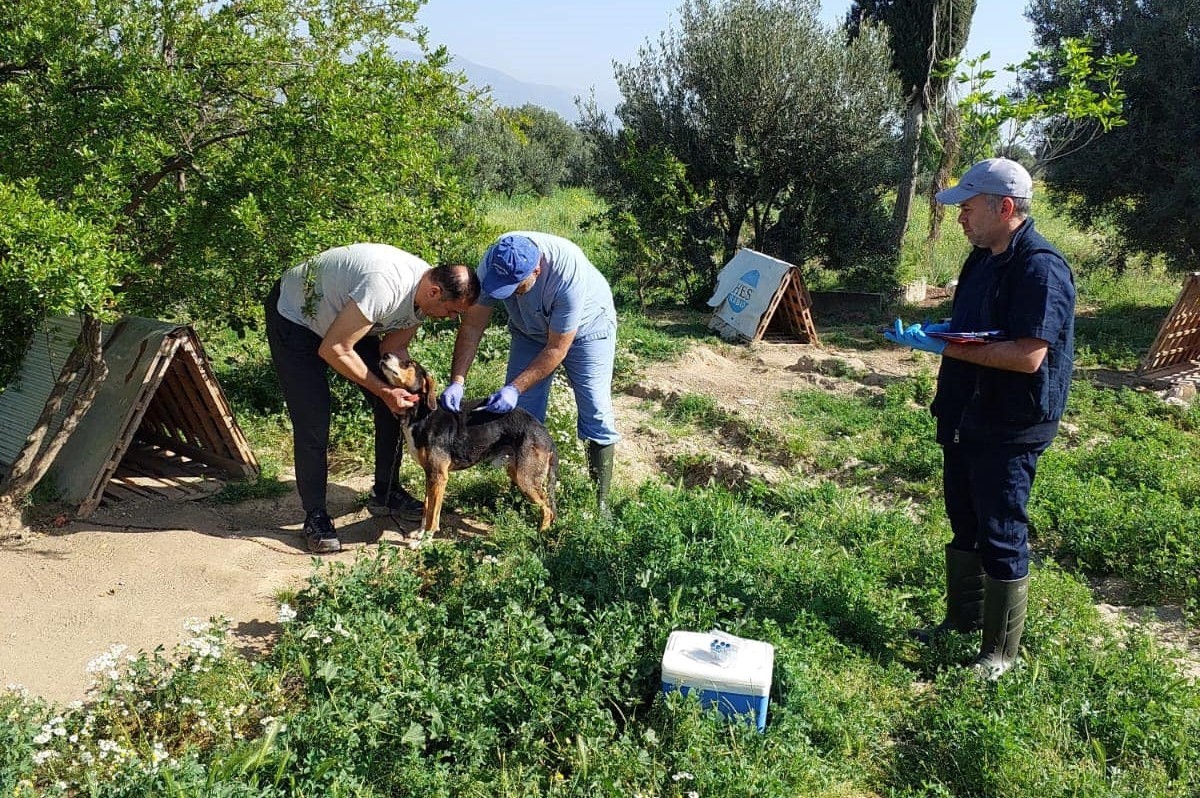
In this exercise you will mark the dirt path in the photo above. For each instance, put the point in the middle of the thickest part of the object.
(134, 573)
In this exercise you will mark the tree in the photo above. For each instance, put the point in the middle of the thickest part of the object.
(1065, 99)
(520, 150)
(209, 145)
(1144, 177)
(924, 34)
(783, 131)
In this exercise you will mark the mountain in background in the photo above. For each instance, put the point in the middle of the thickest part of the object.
(510, 92)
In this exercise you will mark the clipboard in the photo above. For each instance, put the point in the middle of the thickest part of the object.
(984, 337)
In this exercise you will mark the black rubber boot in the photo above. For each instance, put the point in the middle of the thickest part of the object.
(1004, 605)
(964, 596)
(600, 468)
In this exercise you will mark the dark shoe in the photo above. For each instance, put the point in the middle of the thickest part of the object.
(1004, 606)
(399, 504)
(964, 596)
(320, 534)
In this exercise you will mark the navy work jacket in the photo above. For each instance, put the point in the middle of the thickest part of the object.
(1027, 291)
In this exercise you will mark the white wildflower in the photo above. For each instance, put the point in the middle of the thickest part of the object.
(196, 626)
(107, 662)
(159, 754)
(42, 757)
(286, 613)
(683, 774)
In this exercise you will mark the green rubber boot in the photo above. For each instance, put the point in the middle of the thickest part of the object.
(964, 596)
(600, 468)
(1004, 604)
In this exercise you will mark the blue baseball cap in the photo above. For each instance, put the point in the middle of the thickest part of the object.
(998, 176)
(509, 261)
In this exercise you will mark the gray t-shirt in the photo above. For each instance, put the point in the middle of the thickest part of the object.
(379, 278)
(570, 294)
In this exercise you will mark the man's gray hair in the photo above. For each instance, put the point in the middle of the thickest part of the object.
(1021, 205)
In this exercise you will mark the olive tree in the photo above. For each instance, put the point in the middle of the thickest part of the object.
(782, 131)
(1142, 176)
(525, 150)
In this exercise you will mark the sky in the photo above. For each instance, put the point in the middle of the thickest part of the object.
(572, 43)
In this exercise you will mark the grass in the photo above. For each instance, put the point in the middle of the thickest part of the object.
(522, 665)
(566, 213)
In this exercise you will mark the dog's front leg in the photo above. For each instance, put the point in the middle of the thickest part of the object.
(437, 474)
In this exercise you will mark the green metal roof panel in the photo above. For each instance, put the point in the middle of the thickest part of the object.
(132, 349)
(23, 399)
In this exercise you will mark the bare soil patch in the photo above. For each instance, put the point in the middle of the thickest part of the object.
(135, 572)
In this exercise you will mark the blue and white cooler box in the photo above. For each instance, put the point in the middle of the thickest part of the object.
(732, 674)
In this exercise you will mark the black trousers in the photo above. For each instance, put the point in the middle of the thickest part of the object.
(986, 492)
(304, 380)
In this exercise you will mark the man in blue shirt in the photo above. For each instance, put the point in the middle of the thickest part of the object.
(560, 312)
(998, 404)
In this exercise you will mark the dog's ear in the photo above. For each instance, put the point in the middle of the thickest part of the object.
(430, 395)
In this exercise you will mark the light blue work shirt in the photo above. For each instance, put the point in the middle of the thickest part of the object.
(569, 294)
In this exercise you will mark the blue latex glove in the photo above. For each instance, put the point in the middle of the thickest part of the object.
(914, 337)
(502, 401)
(935, 326)
(451, 398)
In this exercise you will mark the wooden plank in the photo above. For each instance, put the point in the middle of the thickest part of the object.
(234, 467)
(181, 409)
(1179, 372)
(768, 315)
(236, 445)
(177, 410)
(1178, 339)
(796, 320)
(187, 380)
(147, 471)
(118, 491)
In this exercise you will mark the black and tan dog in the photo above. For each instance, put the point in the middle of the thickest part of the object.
(443, 441)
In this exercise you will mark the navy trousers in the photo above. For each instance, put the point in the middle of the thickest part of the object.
(304, 380)
(986, 492)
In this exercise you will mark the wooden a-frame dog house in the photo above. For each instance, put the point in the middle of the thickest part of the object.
(160, 424)
(1175, 354)
(760, 298)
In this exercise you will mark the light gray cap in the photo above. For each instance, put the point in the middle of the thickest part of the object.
(998, 176)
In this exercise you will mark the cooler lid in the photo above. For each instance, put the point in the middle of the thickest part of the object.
(716, 660)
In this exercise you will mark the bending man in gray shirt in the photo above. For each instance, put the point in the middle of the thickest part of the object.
(342, 309)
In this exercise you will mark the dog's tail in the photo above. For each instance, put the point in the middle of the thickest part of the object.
(552, 480)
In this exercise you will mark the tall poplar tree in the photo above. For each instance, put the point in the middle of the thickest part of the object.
(924, 33)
